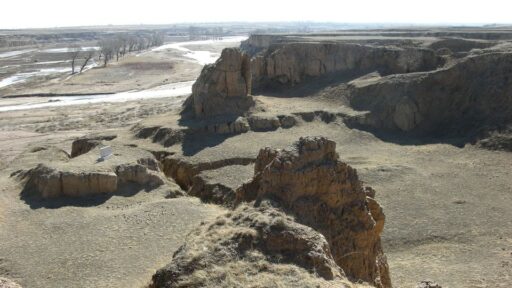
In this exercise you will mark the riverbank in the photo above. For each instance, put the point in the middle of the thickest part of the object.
(165, 71)
(169, 63)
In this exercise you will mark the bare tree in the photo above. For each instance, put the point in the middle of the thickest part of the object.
(75, 52)
(157, 38)
(88, 56)
(132, 43)
(107, 48)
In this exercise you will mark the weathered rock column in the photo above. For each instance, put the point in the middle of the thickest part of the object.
(223, 88)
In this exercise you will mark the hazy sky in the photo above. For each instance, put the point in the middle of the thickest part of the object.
(51, 13)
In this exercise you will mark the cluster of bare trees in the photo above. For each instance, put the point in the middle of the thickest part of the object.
(114, 47)
(77, 52)
(14, 41)
(119, 45)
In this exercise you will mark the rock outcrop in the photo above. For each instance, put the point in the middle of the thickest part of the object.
(304, 220)
(142, 173)
(310, 182)
(292, 63)
(223, 88)
(472, 94)
(50, 182)
(253, 247)
(497, 141)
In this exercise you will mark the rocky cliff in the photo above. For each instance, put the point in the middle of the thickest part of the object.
(304, 220)
(472, 94)
(292, 63)
(223, 88)
(322, 192)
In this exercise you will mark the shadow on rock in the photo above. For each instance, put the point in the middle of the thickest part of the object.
(36, 202)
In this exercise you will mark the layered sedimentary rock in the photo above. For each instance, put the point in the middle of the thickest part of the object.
(310, 182)
(472, 94)
(305, 220)
(223, 88)
(292, 63)
(49, 182)
(145, 173)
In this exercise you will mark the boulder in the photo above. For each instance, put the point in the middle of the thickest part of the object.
(223, 88)
(238, 126)
(287, 121)
(139, 174)
(264, 123)
(309, 182)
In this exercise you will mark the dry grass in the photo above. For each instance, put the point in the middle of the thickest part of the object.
(232, 251)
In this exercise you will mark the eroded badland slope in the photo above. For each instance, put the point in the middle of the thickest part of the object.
(263, 177)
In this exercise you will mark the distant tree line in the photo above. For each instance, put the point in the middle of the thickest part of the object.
(8, 41)
(116, 46)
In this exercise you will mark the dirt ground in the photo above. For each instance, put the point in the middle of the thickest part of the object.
(447, 208)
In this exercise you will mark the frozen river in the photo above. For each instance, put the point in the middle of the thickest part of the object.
(170, 90)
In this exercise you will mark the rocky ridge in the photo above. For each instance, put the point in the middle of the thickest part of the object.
(293, 63)
(472, 95)
(292, 190)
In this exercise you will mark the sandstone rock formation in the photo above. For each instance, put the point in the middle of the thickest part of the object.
(305, 220)
(253, 247)
(50, 182)
(87, 143)
(140, 173)
(223, 88)
(292, 63)
(473, 93)
(310, 182)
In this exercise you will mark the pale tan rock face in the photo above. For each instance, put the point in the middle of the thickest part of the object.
(139, 174)
(324, 193)
(223, 88)
(48, 182)
(293, 63)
